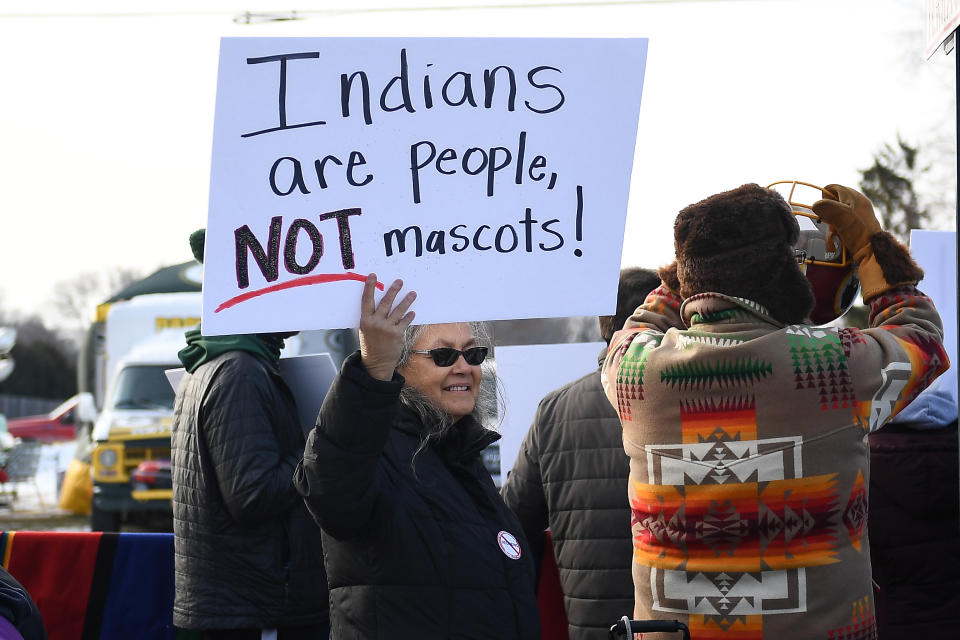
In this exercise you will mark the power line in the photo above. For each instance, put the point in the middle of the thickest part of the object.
(248, 17)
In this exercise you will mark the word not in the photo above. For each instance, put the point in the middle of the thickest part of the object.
(490, 161)
(297, 180)
(269, 260)
(457, 89)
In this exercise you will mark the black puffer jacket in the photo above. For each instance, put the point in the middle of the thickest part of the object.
(571, 475)
(18, 612)
(914, 530)
(248, 554)
(411, 554)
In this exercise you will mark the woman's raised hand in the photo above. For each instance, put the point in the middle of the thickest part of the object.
(382, 327)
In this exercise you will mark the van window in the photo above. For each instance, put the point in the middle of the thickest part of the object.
(143, 387)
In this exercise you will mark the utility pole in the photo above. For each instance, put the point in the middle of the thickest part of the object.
(942, 21)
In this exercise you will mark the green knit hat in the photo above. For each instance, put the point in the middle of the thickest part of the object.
(197, 239)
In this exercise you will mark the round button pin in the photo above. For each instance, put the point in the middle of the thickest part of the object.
(509, 545)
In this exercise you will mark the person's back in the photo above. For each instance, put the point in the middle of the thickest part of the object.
(247, 554)
(741, 481)
(570, 475)
(746, 428)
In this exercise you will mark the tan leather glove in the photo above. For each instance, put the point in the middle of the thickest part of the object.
(883, 263)
(850, 213)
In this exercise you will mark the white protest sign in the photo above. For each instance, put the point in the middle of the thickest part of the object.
(936, 252)
(309, 378)
(491, 175)
(941, 19)
(526, 373)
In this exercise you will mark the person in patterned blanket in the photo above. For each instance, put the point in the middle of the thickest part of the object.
(746, 426)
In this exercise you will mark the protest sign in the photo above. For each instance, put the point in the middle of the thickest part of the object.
(936, 252)
(491, 175)
(941, 19)
(526, 373)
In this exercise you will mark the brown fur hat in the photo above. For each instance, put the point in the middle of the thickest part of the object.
(740, 243)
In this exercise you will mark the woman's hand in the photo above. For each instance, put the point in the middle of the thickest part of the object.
(382, 327)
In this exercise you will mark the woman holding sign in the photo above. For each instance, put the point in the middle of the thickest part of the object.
(417, 541)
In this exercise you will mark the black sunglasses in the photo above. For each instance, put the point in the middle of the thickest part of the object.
(446, 356)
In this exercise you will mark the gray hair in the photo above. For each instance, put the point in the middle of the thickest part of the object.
(486, 411)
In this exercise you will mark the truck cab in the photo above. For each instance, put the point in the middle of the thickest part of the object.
(141, 339)
(133, 431)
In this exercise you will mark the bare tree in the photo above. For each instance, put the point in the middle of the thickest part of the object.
(46, 362)
(75, 299)
(936, 184)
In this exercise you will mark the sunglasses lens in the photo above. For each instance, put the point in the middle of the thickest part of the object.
(444, 356)
(447, 356)
(475, 355)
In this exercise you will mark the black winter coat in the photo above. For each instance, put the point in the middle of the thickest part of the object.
(18, 611)
(914, 528)
(571, 475)
(412, 554)
(247, 552)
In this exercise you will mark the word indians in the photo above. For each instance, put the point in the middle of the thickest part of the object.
(459, 88)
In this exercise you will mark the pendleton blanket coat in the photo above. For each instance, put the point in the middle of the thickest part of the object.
(749, 458)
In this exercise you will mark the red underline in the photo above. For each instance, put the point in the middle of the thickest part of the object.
(299, 282)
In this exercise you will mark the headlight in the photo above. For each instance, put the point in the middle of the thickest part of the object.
(107, 458)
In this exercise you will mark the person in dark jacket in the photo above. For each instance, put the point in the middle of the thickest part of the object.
(914, 518)
(418, 542)
(19, 617)
(248, 556)
(570, 475)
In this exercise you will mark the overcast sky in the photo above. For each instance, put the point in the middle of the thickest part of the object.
(107, 109)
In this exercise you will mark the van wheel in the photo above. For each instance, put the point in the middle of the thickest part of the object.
(101, 520)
